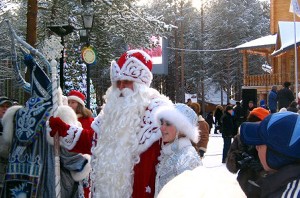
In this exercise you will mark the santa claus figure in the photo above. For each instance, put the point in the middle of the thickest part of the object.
(126, 145)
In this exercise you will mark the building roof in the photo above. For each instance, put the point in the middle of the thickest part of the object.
(286, 37)
(262, 42)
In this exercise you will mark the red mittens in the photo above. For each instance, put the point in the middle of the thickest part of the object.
(57, 125)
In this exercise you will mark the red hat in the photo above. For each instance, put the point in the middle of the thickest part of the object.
(134, 65)
(260, 112)
(77, 96)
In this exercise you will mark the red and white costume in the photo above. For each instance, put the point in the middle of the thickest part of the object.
(125, 146)
(83, 124)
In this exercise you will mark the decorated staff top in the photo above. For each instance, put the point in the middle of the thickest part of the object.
(52, 48)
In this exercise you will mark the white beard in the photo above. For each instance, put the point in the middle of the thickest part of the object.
(115, 154)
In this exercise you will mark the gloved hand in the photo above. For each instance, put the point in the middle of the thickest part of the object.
(57, 125)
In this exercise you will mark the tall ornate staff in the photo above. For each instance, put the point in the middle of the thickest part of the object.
(52, 49)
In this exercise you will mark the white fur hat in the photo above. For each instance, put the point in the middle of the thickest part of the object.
(182, 117)
(133, 65)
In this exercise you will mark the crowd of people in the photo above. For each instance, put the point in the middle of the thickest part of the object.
(141, 140)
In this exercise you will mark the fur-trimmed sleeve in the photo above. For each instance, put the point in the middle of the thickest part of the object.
(150, 131)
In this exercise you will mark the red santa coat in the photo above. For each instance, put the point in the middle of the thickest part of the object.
(144, 172)
(81, 140)
(84, 143)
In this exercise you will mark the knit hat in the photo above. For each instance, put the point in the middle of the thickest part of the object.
(77, 96)
(182, 117)
(134, 65)
(4, 99)
(260, 112)
(280, 132)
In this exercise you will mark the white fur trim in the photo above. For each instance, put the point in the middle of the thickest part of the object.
(80, 175)
(77, 99)
(283, 109)
(150, 130)
(200, 118)
(64, 100)
(180, 121)
(66, 114)
(73, 135)
(8, 123)
(96, 124)
(203, 149)
(133, 70)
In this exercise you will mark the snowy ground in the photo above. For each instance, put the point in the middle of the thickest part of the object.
(210, 181)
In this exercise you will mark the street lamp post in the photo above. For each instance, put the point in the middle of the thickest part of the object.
(87, 18)
(61, 30)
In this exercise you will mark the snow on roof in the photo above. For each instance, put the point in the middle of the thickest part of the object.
(265, 41)
(286, 38)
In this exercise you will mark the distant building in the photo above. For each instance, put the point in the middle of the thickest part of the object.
(277, 48)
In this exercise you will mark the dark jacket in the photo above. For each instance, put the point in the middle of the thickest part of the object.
(210, 120)
(272, 100)
(228, 127)
(286, 180)
(238, 114)
(218, 114)
(285, 97)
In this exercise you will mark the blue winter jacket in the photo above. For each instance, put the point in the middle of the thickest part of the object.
(272, 100)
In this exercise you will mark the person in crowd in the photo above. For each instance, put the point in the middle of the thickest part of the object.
(76, 102)
(201, 146)
(195, 106)
(228, 130)
(272, 99)
(218, 114)
(178, 125)
(277, 143)
(293, 107)
(262, 103)
(31, 166)
(210, 120)
(189, 101)
(5, 103)
(244, 159)
(203, 129)
(126, 143)
(250, 107)
(238, 114)
(285, 96)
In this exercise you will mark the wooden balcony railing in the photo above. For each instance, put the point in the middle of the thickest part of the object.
(268, 79)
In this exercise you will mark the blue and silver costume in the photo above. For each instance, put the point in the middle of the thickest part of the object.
(175, 158)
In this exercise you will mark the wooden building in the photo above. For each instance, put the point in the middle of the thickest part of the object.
(277, 50)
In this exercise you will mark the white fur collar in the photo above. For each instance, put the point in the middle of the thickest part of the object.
(168, 149)
(8, 123)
